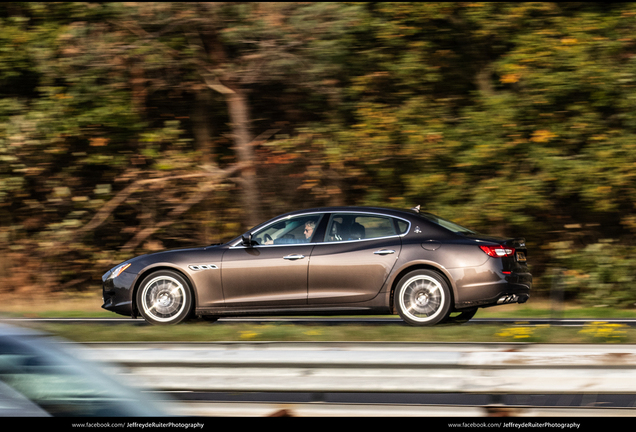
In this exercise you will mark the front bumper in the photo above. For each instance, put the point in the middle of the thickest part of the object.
(117, 294)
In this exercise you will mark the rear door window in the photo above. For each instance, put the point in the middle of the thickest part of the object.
(351, 227)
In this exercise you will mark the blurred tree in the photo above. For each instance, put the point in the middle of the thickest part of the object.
(510, 118)
(56, 120)
(239, 51)
(128, 127)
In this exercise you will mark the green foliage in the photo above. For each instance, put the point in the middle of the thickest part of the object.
(600, 274)
(510, 118)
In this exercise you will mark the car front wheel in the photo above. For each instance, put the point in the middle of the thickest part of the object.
(422, 298)
(164, 297)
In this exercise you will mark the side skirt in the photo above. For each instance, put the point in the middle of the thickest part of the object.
(309, 310)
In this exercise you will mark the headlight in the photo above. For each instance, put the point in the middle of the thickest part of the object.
(118, 271)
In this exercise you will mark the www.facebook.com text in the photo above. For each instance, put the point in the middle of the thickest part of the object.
(140, 425)
(518, 425)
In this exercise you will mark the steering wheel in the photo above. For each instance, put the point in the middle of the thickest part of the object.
(267, 238)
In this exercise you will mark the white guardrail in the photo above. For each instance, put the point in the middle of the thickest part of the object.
(374, 367)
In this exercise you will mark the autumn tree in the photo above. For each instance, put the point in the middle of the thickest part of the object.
(133, 127)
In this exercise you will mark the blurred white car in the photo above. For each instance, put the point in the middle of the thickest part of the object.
(38, 377)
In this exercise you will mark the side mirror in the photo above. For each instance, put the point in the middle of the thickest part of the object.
(247, 240)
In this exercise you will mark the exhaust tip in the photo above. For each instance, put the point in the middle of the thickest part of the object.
(511, 298)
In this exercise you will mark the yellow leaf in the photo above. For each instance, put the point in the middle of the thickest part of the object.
(542, 135)
(510, 78)
(99, 142)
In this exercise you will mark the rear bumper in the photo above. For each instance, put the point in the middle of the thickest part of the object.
(513, 288)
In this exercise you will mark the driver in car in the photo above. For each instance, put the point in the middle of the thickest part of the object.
(309, 231)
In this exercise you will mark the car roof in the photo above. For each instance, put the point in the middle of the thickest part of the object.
(365, 209)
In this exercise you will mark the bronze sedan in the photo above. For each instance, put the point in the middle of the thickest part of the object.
(332, 260)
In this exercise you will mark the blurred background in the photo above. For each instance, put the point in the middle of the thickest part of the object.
(127, 128)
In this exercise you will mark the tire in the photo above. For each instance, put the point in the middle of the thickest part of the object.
(461, 317)
(164, 298)
(422, 298)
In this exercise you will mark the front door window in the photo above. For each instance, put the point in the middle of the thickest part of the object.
(294, 230)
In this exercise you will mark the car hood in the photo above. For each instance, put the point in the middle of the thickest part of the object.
(170, 255)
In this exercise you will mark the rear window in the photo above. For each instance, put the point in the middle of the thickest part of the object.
(451, 226)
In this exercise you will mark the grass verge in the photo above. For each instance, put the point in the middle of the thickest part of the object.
(597, 332)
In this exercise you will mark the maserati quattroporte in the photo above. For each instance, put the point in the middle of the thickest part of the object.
(331, 260)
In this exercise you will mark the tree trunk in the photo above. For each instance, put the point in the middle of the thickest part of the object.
(238, 109)
(201, 125)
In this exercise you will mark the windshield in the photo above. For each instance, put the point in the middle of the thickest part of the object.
(452, 226)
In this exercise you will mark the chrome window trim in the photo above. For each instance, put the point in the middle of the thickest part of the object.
(238, 245)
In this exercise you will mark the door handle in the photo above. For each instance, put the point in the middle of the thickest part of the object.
(384, 252)
(294, 257)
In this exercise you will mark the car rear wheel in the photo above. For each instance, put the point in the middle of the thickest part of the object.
(422, 298)
(164, 298)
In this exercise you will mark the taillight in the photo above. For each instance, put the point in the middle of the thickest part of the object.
(498, 251)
